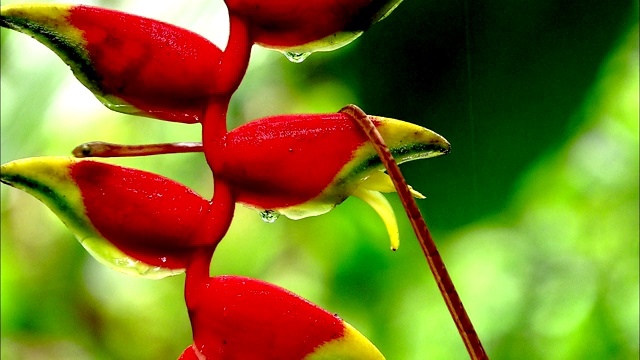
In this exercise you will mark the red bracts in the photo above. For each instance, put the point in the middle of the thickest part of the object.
(301, 165)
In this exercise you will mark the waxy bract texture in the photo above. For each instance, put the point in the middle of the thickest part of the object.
(243, 318)
(131, 64)
(285, 161)
(130, 220)
(304, 165)
(304, 26)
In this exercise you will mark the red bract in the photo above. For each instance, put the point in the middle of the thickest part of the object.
(154, 221)
(243, 318)
(303, 26)
(298, 165)
(287, 160)
(149, 217)
(304, 165)
(134, 64)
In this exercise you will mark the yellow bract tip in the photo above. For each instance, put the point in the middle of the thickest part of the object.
(351, 346)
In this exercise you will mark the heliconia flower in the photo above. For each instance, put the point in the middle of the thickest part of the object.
(132, 221)
(132, 64)
(304, 165)
(244, 318)
(299, 27)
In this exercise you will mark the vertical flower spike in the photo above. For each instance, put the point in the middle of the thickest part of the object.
(130, 220)
(243, 318)
(299, 27)
(304, 165)
(131, 64)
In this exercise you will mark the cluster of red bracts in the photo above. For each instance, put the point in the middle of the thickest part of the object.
(147, 225)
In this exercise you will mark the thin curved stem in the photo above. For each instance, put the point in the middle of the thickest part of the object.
(445, 284)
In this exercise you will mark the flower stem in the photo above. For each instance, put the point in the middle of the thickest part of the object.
(210, 232)
(235, 58)
(445, 284)
(197, 277)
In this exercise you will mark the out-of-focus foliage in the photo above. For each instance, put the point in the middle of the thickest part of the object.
(535, 210)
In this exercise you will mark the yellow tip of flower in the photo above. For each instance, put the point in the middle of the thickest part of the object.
(353, 345)
(382, 206)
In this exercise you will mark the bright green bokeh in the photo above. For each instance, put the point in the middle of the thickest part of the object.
(535, 211)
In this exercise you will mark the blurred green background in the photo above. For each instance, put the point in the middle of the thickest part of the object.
(535, 211)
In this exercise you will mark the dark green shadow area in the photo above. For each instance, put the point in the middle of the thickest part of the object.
(501, 84)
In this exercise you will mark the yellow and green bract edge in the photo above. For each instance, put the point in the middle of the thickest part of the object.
(48, 23)
(351, 346)
(49, 180)
(364, 175)
(333, 41)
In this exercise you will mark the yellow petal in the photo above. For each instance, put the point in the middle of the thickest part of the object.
(380, 181)
(382, 206)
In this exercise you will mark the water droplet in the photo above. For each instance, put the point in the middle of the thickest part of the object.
(296, 57)
(269, 216)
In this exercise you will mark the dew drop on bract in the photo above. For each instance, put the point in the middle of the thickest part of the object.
(296, 57)
(269, 216)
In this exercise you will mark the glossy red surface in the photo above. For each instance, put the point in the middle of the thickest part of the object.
(159, 68)
(176, 75)
(243, 318)
(147, 216)
(286, 160)
(286, 23)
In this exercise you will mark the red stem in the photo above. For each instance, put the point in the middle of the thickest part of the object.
(206, 238)
(214, 129)
(445, 284)
(233, 65)
(235, 58)
(197, 276)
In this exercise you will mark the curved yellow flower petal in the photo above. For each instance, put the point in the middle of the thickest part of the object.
(382, 206)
